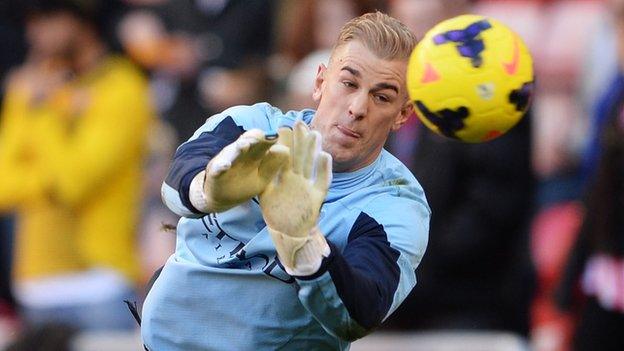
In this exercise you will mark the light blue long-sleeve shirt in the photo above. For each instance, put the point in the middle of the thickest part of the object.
(224, 289)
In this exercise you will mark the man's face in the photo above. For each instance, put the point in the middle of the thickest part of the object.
(52, 34)
(361, 99)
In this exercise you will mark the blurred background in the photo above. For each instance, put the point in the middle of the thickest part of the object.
(526, 248)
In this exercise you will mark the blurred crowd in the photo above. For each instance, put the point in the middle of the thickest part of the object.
(527, 231)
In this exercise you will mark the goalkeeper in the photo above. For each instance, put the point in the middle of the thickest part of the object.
(299, 231)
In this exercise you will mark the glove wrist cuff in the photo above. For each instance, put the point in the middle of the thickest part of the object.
(197, 196)
(200, 196)
(309, 258)
(302, 256)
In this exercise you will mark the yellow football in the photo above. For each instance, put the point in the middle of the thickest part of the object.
(470, 78)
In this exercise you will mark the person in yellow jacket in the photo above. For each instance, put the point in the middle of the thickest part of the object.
(72, 140)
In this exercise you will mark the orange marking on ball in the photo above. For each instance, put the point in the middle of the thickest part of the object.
(492, 134)
(512, 67)
(430, 74)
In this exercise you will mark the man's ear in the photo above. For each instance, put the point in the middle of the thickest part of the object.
(403, 116)
(318, 83)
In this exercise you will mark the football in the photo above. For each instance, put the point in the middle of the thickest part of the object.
(470, 78)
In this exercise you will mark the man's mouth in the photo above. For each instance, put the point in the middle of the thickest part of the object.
(348, 132)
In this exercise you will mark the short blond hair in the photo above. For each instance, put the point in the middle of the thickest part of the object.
(385, 36)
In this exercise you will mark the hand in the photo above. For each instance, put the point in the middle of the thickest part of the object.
(241, 170)
(292, 201)
(40, 79)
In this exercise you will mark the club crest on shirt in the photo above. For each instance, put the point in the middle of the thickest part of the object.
(231, 252)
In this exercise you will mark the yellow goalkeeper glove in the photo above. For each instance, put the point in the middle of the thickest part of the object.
(292, 201)
(236, 174)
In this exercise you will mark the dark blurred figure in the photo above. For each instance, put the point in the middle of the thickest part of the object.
(476, 274)
(203, 55)
(6, 252)
(72, 141)
(46, 337)
(598, 256)
(11, 37)
(14, 50)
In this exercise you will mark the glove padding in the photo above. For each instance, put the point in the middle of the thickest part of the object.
(239, 172)
(292, 201)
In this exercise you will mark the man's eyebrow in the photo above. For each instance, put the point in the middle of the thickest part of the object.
(382, 86)
(352, 70)
(378, 86)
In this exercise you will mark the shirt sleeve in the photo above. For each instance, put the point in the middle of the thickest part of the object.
(20, 156)
(357, 288)
(219, 131)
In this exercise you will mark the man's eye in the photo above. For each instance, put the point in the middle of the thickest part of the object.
(382, 98)
(349, 84)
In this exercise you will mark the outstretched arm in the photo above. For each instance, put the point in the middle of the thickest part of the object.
(357, 288)
(220, 167)
(349, 292)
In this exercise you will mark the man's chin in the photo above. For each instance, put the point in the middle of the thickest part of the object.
(342, 163)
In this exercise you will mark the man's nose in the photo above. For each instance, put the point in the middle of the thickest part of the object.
(359, 105)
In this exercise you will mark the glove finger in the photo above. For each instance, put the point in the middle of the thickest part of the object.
(224, 159)
(276, 158)
(249, 141)
(313, 148)
(258, 149)
(250, 137)
(285, 137)
(299, 146)
(232, 153)
(217, 167)
(323, 172)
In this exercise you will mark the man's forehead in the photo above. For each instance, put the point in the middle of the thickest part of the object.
(354, 55)
(351, 49)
